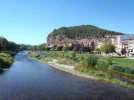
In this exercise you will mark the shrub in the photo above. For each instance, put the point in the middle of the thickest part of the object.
(80, 58)
(5, 60)
(63, 55)
(55, 54)
(118, 68)
(9, 52)
(73, 56)
(68, 57)
(127, 70)
(109, 60)
(101, 64)
(91, 60)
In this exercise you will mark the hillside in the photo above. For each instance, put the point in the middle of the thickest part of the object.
(83, 33)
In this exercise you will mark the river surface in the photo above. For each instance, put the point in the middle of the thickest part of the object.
(28, 79)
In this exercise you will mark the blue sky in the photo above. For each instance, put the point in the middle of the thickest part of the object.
(30, 21)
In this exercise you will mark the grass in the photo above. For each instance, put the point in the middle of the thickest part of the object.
(46, 60)
(66, 61)
(33, 54)
(122, 61)
(12, 53)
(101, 75)
(119, 61)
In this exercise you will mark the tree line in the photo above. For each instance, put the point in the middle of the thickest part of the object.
(83, 31)
(11, 46)
(7, 45)
(106, 47)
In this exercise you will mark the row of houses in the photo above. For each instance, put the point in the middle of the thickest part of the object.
(121, 42)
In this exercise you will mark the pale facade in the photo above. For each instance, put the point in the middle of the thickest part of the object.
(123, 42)
(131, 45)
(117, 42)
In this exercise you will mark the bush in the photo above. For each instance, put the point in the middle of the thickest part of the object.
(73, 56)
(55, 54)
(81, 58)
(6, 60)
(118, 68)
(127, 70)
(9, 52)
(109, 60)
(91, 60)
(102, 65)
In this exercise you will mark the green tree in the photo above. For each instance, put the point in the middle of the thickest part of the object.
(83, 31)
(91, 60)
(41, 47)
(12, 46)
(3, 43)
(48, 49)
(98, 50)
(59, 48)
(65, 48)
(107, 47)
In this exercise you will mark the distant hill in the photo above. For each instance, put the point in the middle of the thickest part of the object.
(76, 33)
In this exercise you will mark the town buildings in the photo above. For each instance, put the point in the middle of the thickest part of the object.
(125, 42)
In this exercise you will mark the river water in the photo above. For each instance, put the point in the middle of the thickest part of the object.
(28, 79)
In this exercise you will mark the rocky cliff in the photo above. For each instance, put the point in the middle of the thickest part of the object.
(78, 34)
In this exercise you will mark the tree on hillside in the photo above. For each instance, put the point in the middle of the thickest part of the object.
(107, 47)
(83, 31)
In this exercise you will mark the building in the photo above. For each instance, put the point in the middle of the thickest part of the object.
(123, 42)
(131, 45)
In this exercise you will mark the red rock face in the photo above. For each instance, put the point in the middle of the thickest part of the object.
(61, 40)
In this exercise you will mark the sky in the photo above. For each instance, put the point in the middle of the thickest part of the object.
(30, 21)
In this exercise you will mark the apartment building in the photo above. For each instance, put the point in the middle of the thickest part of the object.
(131, 45)
(123, 42)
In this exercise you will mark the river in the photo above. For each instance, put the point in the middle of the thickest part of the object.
(28, 79)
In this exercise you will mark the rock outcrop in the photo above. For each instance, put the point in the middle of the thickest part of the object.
(78, 34)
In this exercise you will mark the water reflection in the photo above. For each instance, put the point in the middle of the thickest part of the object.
(1, 71)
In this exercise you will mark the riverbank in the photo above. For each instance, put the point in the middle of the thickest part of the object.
(6, 59)
(67, 68)
(64, 67)
(70, 67)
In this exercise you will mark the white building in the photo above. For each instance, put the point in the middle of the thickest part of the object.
(124, 42)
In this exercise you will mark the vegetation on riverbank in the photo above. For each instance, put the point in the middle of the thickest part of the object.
(6, 60)
(8, 50)
(104, 68)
